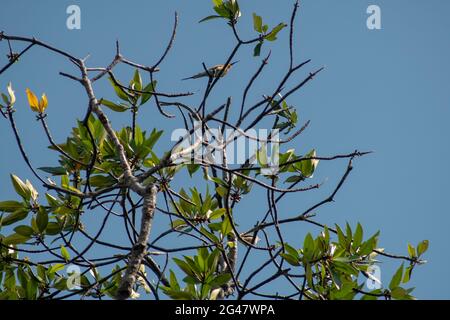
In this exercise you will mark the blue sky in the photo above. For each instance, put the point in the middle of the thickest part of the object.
(383, 90)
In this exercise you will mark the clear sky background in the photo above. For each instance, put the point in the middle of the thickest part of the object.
(383, 90)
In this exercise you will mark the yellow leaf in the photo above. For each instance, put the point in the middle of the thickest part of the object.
(12, 96)
(43, 103)
(32, 100)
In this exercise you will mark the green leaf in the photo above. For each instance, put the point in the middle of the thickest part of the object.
(368, 246)
(5, 99)
(23, 277)
(191, 280)
(348, 231)
(113, 106)
(137, 80)
(194, 267)
(55, 171)
(341, 237)
(397, 278)
(257, 23)
(20, 187)
(185, 267)
(14, 217)
(176, 224)
(66, 184)
(291, 251)
(41, 272)
(358, 236)
(223, 12)
(342, 259)
(220, 280)
(65, 181)
(23, 230)
(210, 18)
(293, 179)
(257, 49)
(308, 247)
(411, 251)
(52, 201)
(14, 239)
(149, 89)
(422, 247)
(53, 228)
(212, 260)
(60, 284)
(399, 293)
(192, 168)
(11, 206)
(203, 253)
(210, 235)
(261, 156)
(307, 167)
(31, 288)
(65, 254)
(234, 7)
(309, 275)
(371, 296)
(217, 3)
(272, 36)
(154, 137)
(407, 275)
(217, 226)
(226, 226)
(217, 181)
(55, 268)
(345, 268)
(42, 219)
(216, 214)
(293, 261)
(119, 91)
(178, 295)
(173, 281)
(222, 191)
(100, 181)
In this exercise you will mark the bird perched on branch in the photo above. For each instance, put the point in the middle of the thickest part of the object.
(249, 238)
(219, 70)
